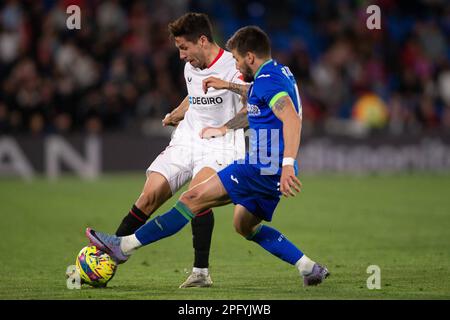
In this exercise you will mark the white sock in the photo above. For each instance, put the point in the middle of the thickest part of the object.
(304, 265)
(129, 244)
(200, 270)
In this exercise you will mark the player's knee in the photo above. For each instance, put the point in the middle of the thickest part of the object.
(242, 229)
(190, 197)
(185, 197)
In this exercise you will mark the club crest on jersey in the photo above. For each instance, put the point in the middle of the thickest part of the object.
(253, 110)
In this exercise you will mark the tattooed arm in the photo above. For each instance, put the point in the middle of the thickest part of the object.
(292, 125)
(284, 110)
(216, 83)
(241, 89)
(240, 121)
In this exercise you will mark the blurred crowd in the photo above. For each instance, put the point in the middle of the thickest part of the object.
(121, 71)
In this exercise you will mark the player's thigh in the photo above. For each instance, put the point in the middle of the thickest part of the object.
(209, 161)
(156, 191)
(244, 222)
(175, 165)
(204, 174)
(207, 194)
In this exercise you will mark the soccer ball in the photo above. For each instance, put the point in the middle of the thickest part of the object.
(95, 267)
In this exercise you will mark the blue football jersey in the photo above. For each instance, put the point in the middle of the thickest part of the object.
(266, 143)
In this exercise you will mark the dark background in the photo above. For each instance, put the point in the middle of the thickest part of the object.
(121, 70)
(120, 74)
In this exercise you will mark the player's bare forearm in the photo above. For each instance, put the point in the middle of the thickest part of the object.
(292, 125)
(241, 89)
(244, 101)
(219, 84)
(292, 134)
(177, 114)
(240, 120)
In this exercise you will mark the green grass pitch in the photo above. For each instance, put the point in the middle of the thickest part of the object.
(399, 222)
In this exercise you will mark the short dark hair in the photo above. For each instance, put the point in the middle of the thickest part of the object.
(250, 39)
(191, 26)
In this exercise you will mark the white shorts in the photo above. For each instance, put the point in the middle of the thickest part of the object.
(179, 164)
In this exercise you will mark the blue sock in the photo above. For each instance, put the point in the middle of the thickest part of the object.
(165, 225)
(276, 243)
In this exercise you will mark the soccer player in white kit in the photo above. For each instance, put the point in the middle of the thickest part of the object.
(189, 156)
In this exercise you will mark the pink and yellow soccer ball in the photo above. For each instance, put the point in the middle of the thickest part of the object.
(96, 268)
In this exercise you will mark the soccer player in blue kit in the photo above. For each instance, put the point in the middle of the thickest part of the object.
(254, 184)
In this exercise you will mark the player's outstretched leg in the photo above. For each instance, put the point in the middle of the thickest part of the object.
(207, 194)
(277, 244)
(120, 248)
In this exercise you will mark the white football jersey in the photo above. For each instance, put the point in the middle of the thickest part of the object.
(213, 109)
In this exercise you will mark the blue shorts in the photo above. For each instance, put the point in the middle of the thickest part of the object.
(245, 185)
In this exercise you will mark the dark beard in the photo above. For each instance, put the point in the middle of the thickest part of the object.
(247, 75)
